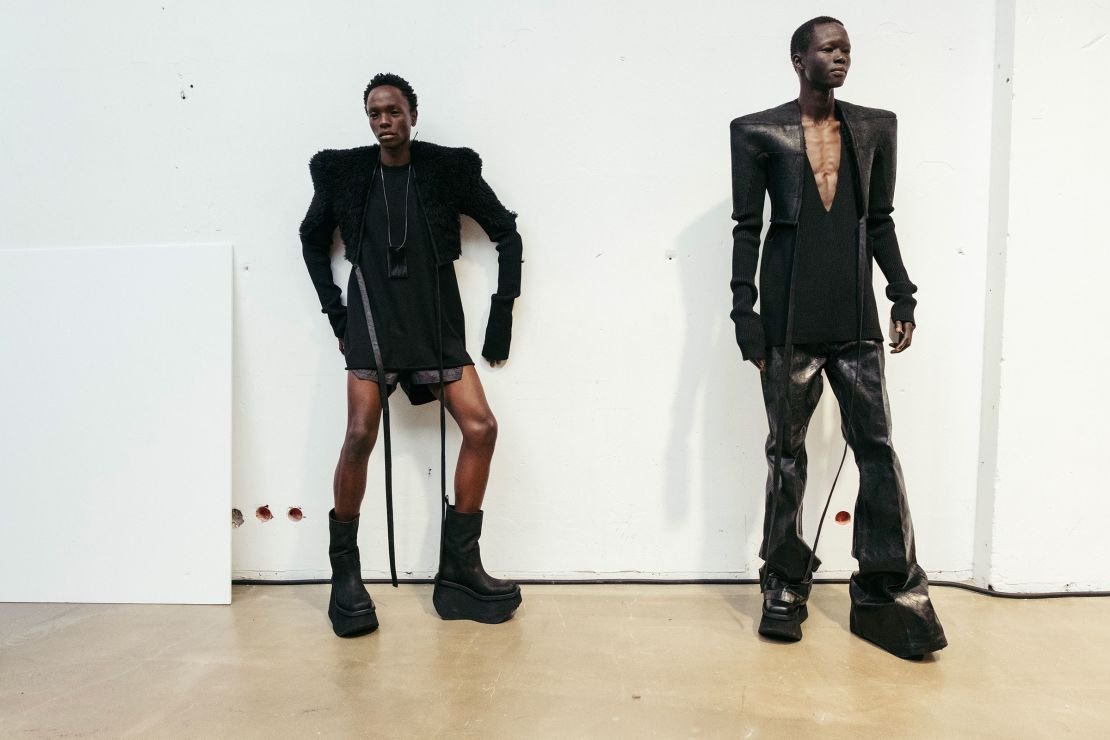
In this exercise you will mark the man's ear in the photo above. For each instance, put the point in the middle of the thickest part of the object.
(414, 114)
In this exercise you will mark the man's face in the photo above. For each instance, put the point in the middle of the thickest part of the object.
(390, 118)
(824, 65)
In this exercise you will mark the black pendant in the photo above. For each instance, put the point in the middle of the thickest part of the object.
(397, 263)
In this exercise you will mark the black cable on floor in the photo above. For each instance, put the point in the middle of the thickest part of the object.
(988, 591)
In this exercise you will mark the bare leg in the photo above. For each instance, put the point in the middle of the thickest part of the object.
(364, 410)
(466, 402)
(464, 590)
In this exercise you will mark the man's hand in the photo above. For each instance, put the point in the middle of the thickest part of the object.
(342, 347)
(760, 363)
(903, 331)
(496, 363)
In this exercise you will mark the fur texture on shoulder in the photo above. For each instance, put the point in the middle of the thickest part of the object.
(448, 181)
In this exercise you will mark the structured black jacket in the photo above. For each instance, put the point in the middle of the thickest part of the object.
(448, 183)
(768, 157)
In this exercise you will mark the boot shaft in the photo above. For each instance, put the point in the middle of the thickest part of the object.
(461, 532)
(344, 535)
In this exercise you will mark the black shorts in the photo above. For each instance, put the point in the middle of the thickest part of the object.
(414, 382)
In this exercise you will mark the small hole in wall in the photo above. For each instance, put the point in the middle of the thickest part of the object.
(295, 514)
(236, 518)
(263, 514)
(843, 517)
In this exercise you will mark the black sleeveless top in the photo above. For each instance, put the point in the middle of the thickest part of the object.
(825, 295)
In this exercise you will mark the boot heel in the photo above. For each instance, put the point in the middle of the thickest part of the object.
(455, 601)
(347, 623)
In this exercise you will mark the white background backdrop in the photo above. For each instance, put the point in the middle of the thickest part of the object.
(631, 433)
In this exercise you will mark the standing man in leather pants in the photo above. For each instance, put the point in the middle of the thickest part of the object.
(829, 168)
(396, 208)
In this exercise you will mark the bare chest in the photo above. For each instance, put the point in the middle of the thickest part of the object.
(823, 151)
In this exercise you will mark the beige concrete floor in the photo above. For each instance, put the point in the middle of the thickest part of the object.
(576, 661)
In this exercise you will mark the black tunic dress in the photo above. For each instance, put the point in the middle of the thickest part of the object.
(404, 307)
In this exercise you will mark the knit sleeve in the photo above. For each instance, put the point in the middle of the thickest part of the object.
(880, 228)
(316, 239)
(499, 223)
(749, 187)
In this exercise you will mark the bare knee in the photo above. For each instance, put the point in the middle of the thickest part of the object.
(360, 438)
(480, 431)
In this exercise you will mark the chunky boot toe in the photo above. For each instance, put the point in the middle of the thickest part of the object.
(350, 607)
(784, 606)
(894, 611)
(896, 632)
(463, 589)
(784, 610)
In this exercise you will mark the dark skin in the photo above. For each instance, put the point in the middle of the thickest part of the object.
(391, 121)
(821, 69)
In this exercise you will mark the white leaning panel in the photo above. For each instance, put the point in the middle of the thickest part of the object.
(115, 416)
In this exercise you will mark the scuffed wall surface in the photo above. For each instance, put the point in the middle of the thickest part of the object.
(631, 433)
(1051, 503)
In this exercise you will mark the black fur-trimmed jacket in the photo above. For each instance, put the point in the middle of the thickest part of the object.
(768, 157)
(448, 183)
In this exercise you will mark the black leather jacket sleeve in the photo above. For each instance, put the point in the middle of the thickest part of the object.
(316, 230)
(880, 228)
(749, 188)
(499, 223)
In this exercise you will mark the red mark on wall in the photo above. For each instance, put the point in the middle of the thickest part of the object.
(843, 517)
(295, 514)
(264, 514)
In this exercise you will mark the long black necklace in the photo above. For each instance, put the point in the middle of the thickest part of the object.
(388, 220)
(396, 263)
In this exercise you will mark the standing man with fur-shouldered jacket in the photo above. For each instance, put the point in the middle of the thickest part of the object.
(829, 169)
(396, 206)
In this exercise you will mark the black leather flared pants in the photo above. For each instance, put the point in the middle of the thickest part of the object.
(890, 596)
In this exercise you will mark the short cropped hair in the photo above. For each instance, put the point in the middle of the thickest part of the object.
(801, 39)
(388, 78)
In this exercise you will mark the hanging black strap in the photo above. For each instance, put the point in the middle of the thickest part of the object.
(783, 406)
(439, 351)
(862, 261)
(383, 392)
(379, 366)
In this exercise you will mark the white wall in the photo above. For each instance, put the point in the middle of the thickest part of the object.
(1050, 497)
(631, 433)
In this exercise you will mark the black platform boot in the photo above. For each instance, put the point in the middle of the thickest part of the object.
(463, 589)
(894, 611)
(784, 608)
(351, 609)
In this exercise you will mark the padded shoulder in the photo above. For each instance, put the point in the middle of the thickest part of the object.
(863, 113)
(455, 160)
(329, 165)
(786, 113)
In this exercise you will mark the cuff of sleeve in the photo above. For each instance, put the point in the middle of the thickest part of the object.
(338, 321)
(750, 339)
(903, 310)
(499, 330)
(901, 295)
(754, 353)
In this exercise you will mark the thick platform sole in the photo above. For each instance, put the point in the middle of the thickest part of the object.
(347, 623)
(891, 636)
(455, 601)
(787, 629)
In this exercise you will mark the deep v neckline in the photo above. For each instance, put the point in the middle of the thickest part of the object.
(817, 185)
